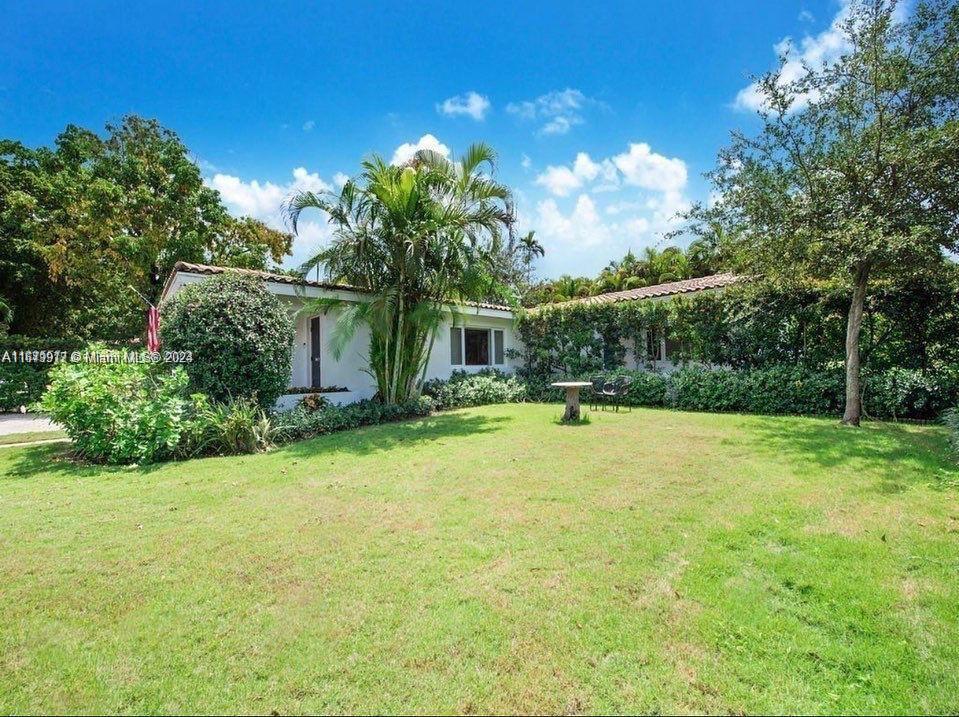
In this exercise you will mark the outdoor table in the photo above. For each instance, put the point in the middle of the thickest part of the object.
(572, 397)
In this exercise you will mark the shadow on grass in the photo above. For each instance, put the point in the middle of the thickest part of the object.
(58, 459)
(899, 455)
(375, 439)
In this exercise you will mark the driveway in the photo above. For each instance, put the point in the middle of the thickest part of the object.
(11, 423)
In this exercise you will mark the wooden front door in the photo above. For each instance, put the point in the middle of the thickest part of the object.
(315, 352)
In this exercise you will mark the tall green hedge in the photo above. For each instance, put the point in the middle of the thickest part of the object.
(782, 389)
(911, 324)
(239, 334)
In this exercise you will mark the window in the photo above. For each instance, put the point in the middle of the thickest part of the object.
(456, 346)
(673, 347)
(654, 347)
(498, 347)
(477, 347)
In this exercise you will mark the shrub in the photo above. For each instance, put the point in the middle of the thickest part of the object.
(783, 389)
(21, 384)
(475, 389)
(120, 412)
(951, 419)
(238, 427)
(304, 423)
(314, 402)
(240, 336)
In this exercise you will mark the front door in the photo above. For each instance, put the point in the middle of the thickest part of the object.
(315, 352)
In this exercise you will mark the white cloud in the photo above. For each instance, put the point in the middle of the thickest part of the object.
(583, 226)
(471, 104)
(806, 16)
(814, 52)
(559, 110)
(339, 179)
(581, 234)
(405, 151)
(264, 200)
(526, 162)
(559, 180)
(639, 167)
(644, 168)
(563, 180)
(309, 125)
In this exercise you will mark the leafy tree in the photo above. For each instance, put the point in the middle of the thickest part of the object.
(83, 222)
(655, 266)
(854, 174)
(418, 237)
(247, 243)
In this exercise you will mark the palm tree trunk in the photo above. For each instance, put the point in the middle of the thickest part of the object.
(397, 355)
(853, 412)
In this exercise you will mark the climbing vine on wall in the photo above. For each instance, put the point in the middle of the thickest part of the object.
(909, 324)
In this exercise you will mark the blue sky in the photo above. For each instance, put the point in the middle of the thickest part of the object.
(604, 117)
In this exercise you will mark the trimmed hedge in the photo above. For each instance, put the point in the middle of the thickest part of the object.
(302, 422)
(475, 389)
(21, 384)
(786, 389)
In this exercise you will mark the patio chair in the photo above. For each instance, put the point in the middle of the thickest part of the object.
(616, 389)
(596, 392)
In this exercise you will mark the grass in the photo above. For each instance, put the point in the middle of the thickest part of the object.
(30, 436)
(490, 560)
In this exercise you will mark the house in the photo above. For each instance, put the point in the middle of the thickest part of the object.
(482, 336)
(659, 349)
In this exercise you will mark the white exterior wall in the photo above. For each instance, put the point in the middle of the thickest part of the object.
(350, 369)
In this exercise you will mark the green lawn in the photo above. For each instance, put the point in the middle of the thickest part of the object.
(493, 560)
(30, 436)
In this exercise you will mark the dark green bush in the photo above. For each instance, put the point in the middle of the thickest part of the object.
(22, 381)
(302, 422)
(951, 419)
(240, 336)
(475, 389)
(784, 389)
(21, 384)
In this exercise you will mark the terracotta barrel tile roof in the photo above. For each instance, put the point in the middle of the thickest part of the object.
(209, 269)
(686, 286)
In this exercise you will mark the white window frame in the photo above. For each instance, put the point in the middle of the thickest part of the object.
(492, 347)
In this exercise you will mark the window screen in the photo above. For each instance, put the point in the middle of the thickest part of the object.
(653, 345)
(498, 348)
(456, 346)
(477, 347)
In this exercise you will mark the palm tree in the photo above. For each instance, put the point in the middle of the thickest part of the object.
(530, 248)
(417, 238)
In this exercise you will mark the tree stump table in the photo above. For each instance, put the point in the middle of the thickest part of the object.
(572, 397)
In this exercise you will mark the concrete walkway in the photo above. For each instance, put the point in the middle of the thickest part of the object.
(11, 423)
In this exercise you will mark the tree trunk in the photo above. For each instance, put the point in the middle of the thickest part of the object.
(853, 328)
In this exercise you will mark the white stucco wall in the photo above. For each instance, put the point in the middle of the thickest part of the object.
(350, 369)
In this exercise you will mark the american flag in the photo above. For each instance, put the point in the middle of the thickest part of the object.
(153, 329)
